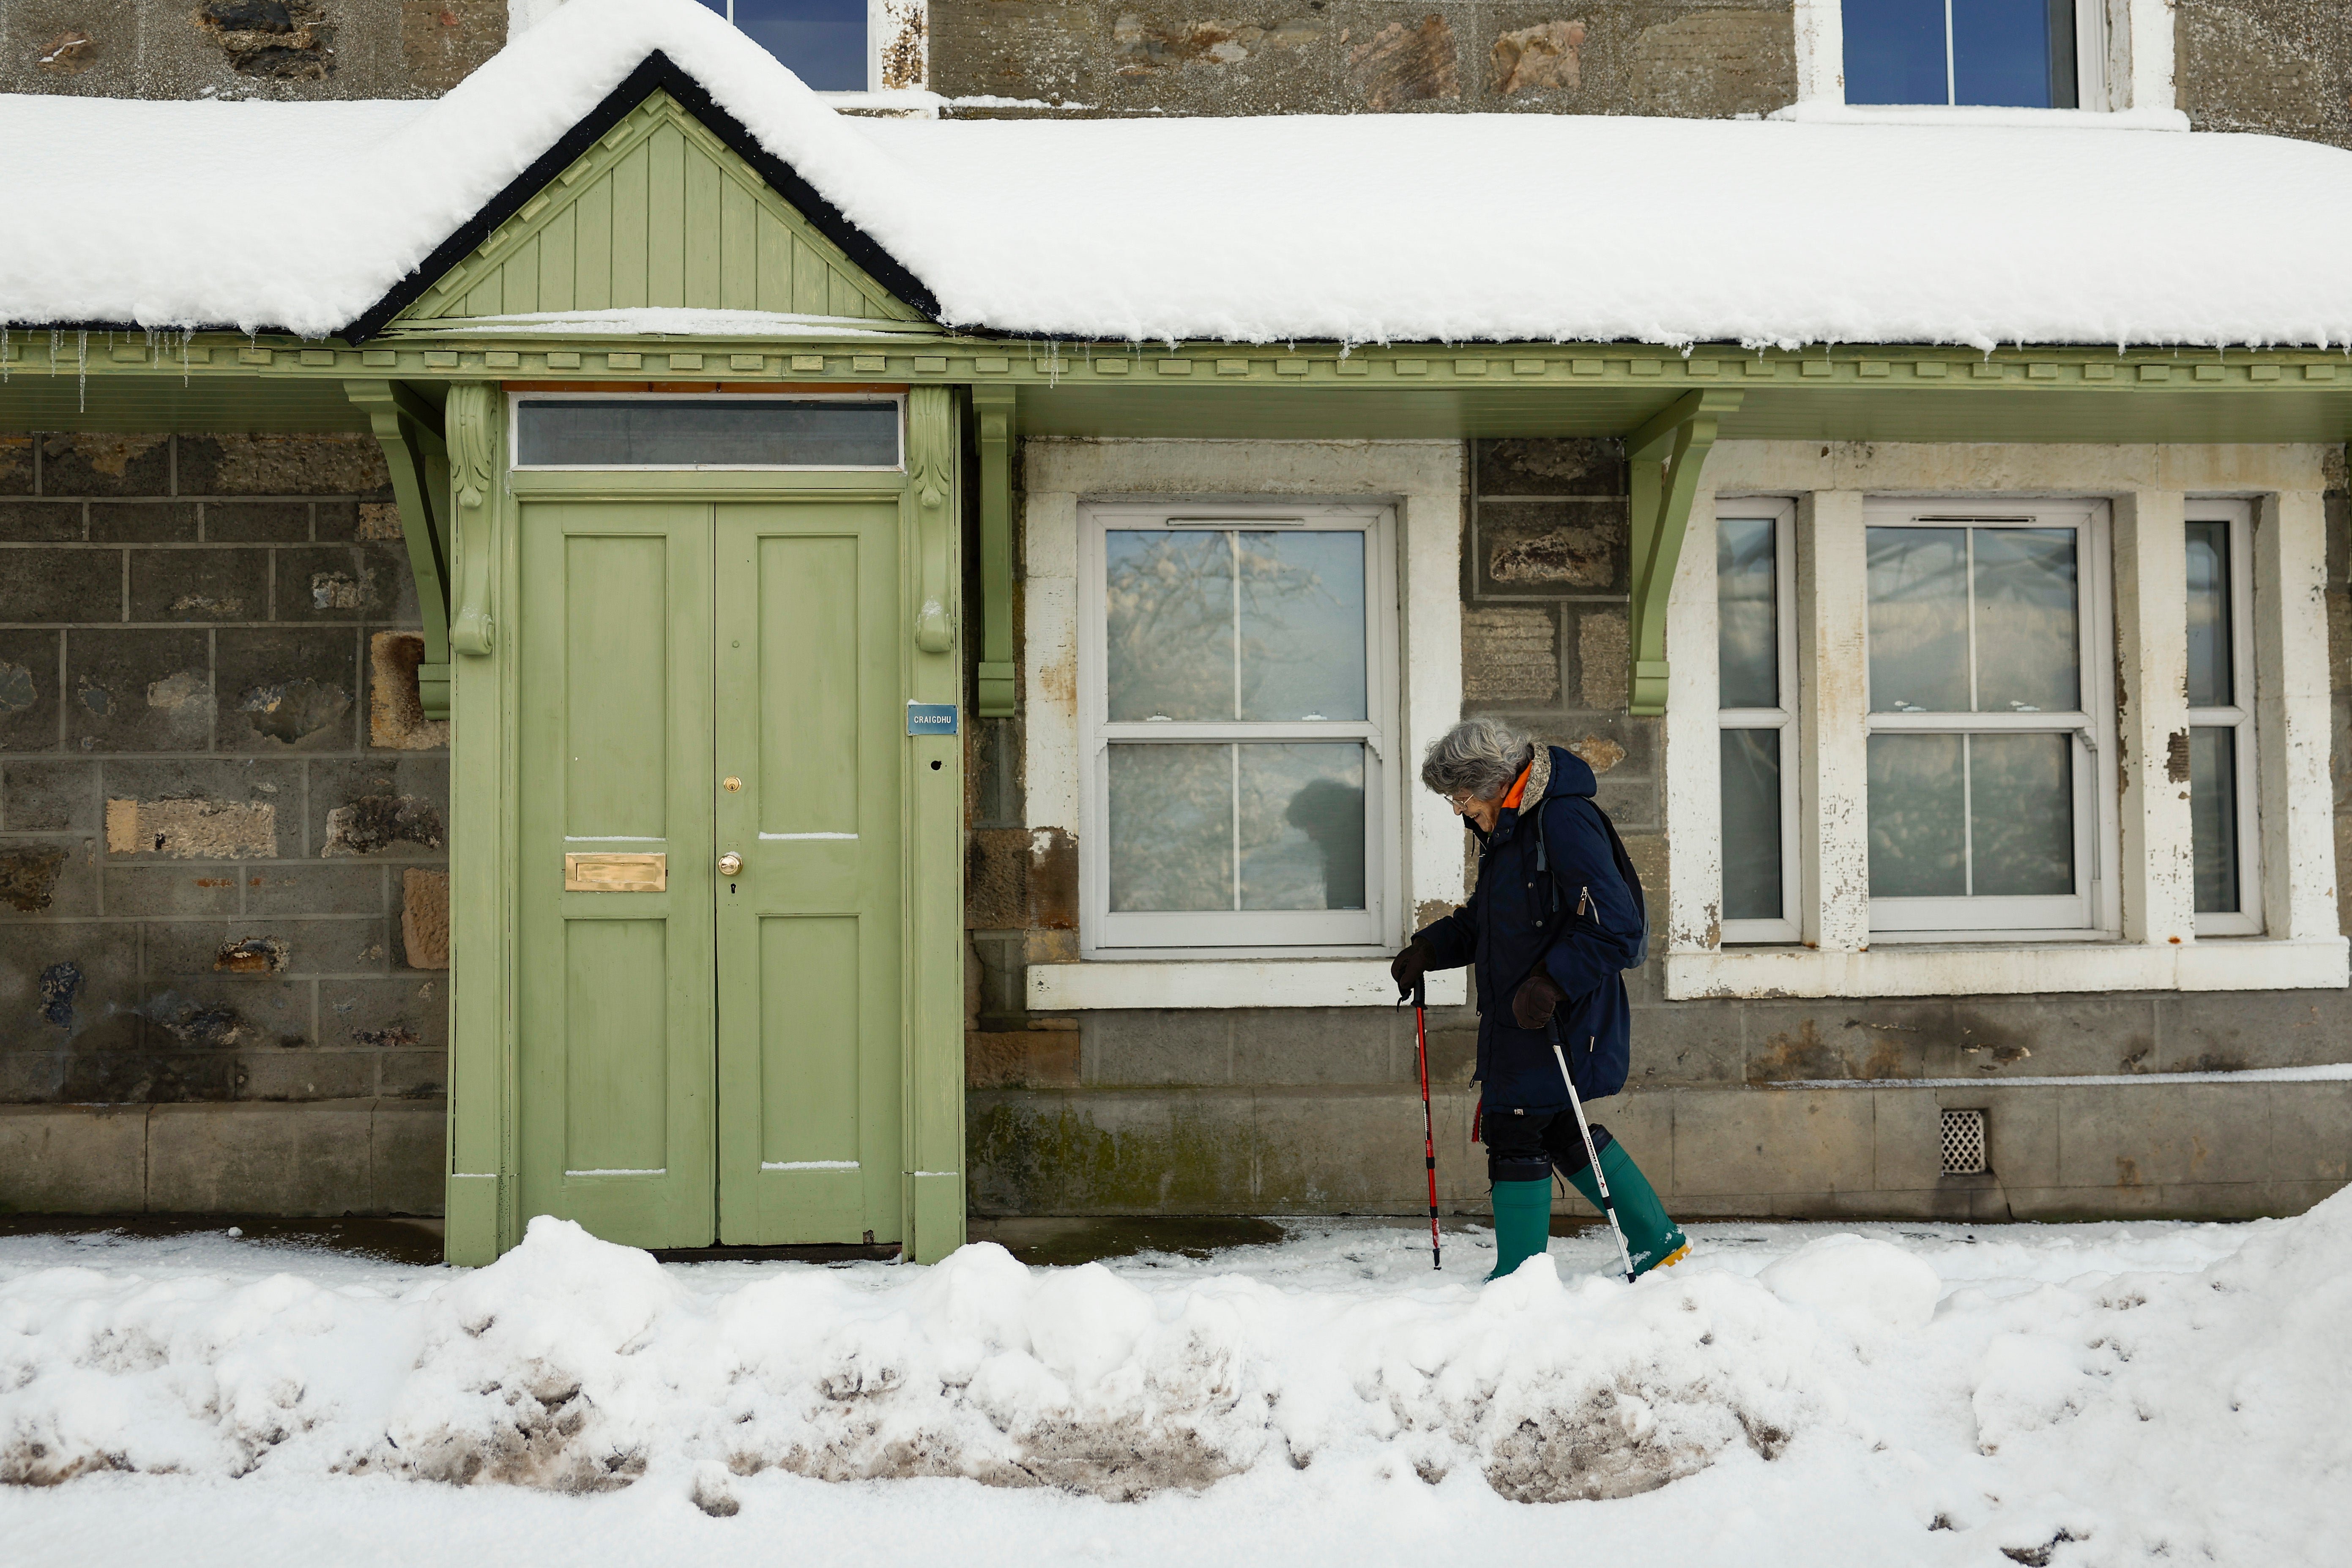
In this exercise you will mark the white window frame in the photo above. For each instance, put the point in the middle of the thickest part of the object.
(2123, 61)
(1781, 512)
(515, 400)
(882, 17)
(2239, 716)
(2092, 911)
(1298, 934)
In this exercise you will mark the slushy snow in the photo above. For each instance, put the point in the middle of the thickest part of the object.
(1358, 228)
(1916, 1393)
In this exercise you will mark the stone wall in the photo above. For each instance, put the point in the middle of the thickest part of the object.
(2282, 68)
(1316, 1110)
(222, 867)
(246, 49)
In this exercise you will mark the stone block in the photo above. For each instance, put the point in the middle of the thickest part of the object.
(50, 797)
(2130, 1139)
(2229, 1031)
(1615, 746)
(1686, 1042)
(407, 1149)
(1023, 1058)
(200, 1011)
(996, 879)
(293, 465)
(1602, 659)
(2311, 1133)
(53, 877)
(70, 985)
(202, 809)
(1403, 60)
(1906, 1128)
(1330, 1152)
(288, 690)
(29, 690)
(73, 1159)
(143, 522)
(314, 889)
(177, 890)
(412, 1075)
(1053, 880)
(305, 1074)
(1991, 1038)
(425, 918)
(1554, 465)
(147, 1078)
(93, 463)
(40, 521)
(345, 583)
(261, 1159)
(288, 946)
(1510, 657)
(1550, 549)
(1795, 1041)
(1156, 1047)
(1321, 1045)
(199, 584)
(392, 805)
(139, 691)
(403, 1013)
(1773, 1141)
(257, 522)
(68, 583)
(339, 520)
(16, 463)
(396, 719)
(1165, 1150)
(2021, 1130)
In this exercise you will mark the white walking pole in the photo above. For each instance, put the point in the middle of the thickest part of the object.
(1592, 1155)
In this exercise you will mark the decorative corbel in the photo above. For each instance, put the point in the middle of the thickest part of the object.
(473, 442)
(1664, 457)
(993, 411)
(930, 484)
(408, 428)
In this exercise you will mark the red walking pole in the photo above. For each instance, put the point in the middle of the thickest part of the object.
(1428, 1132)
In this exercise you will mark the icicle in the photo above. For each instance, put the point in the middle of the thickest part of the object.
(4, 353)
(187, 337)
(56, 342)
(82, 365)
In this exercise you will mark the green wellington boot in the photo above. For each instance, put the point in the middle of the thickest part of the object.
(1522, 1222)
(1652, 1239)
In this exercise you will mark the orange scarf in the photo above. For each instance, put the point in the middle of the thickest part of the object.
(1519, 787)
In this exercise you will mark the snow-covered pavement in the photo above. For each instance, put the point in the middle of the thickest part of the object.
(1865, 1394)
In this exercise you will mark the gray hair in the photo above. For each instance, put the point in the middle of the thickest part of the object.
(1478, 757)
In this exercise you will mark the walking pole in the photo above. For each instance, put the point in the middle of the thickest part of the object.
(1591, 1155)
(1428, 1129)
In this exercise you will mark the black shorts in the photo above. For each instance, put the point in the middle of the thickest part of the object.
(1529, 1145)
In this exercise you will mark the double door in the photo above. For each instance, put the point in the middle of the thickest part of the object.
(709, 952)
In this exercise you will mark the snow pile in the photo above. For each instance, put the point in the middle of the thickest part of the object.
(1355, 228)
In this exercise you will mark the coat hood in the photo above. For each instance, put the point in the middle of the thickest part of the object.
(1556, 771)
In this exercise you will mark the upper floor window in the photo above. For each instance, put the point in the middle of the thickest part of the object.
(824, 42)
(2010, 54)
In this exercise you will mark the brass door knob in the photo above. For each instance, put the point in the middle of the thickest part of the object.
(729, 864)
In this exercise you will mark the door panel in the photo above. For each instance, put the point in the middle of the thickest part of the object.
(614, 990)
(809, 684)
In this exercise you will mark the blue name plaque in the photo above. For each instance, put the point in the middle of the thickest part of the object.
(930, 718)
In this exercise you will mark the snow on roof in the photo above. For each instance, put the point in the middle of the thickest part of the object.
(1359, 229)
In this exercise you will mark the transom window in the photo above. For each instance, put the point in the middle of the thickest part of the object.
(1239, 663)
(1987, 704)
(2222, 794)
(823, 42)
(1755, 658)
(2021, 54)
(706, 432)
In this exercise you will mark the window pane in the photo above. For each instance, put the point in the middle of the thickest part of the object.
(1302, 828)
(1918, 620)
(1895, 52)
(2005, 53)
(1172, 828)
(1302, 625)
(2210, 678)
(824, 41)
(1751, 825)
(1168, 613)
(1748, 635)
(2213, 817)
(1917, 796)
(2021, 814)
(2028, 655)
(758, 432)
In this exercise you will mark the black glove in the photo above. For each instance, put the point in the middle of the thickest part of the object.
(1407, 967)
(1534, 1004)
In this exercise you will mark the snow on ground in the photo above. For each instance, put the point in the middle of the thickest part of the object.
(1358, 228)
(1917, 1393)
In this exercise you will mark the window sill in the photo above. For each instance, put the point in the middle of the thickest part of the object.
(1822, 112)
(2229, 963)
(1230, 983)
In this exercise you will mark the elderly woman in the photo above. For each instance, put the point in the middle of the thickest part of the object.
(1548, 931)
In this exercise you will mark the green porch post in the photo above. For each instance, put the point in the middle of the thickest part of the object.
(1663, 459)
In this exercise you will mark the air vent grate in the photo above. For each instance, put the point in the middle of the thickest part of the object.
(1964, 1143)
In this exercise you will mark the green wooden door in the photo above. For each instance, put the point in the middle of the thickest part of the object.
(720, 1059)
(811, 725)
(614, 990)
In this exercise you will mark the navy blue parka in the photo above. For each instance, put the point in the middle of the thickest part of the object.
(1511, 921)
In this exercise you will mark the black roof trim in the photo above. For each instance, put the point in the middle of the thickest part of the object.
(656, 72)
